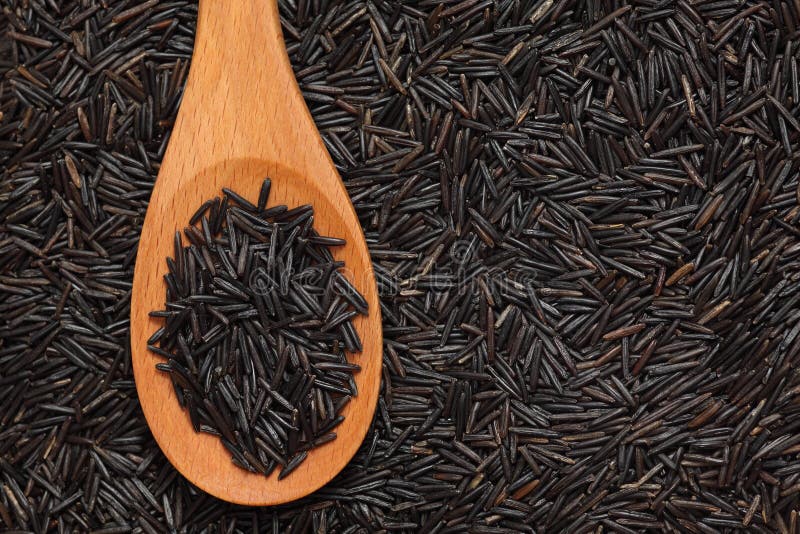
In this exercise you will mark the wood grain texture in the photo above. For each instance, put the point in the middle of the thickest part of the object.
(243, 118)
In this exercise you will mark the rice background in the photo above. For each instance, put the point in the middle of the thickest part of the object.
(584, 222)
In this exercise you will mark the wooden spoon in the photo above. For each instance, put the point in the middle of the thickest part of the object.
(242, 119)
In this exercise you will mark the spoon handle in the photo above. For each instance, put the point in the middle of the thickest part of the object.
(241, 98)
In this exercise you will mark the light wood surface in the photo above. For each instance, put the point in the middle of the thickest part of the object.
(243, 118)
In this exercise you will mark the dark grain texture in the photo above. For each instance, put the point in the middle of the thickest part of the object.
(256, 321)
(583, 219)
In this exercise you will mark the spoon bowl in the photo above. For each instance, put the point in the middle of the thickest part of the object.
(242, 119)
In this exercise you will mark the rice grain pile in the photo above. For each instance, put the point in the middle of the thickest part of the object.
(257, 318)
(583, 216)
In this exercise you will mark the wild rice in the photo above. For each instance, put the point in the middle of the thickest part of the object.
(557, 185)
(256, 322)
